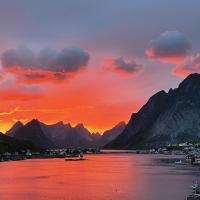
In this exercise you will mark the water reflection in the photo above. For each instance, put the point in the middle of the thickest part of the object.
(100, 177)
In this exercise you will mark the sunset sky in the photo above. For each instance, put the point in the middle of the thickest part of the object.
(92, 62)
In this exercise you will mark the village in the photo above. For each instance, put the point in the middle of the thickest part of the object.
(190, 153)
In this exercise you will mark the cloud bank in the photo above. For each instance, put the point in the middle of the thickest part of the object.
(45, 65)
(170, 46)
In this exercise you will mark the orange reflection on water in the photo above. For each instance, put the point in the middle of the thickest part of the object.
(117, 177)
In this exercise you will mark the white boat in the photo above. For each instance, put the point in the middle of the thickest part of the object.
(197, 161)
(195, 193)
(179, 162)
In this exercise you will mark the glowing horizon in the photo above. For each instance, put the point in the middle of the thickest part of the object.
(90, 63)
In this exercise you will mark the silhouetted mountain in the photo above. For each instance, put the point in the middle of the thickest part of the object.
(83, 132)
(166, 118)
(57, 135)
(66, 136)
(32, 131)
(110, 135)
(96, 136)
(62, 135)
(56, 132)
(9, 144)
(14, 128)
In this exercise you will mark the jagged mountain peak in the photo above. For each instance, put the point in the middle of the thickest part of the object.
(80, 125)
(120, 124)
(68, 125)
(190, 79)
(60, 135)
(165, 118)
(34, 121)
(191, 83)
(60, 123)
(14, 128)
(18, 123)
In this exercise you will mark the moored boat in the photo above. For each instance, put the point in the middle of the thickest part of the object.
(75, 158)
(179, 162)
(195, 193)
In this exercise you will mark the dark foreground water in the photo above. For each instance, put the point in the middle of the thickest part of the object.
(101, 177)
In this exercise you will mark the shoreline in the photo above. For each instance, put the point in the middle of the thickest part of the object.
(173, 158)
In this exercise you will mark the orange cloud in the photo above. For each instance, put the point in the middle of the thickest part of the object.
(9, 112)
(190, 65)
(29, 76)
(20, 120)
(15, 93)
(98, 100)
(165, 58)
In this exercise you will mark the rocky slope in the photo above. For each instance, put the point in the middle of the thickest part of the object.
(33, 132)
(64, 135)
(14, 128)
(9, 144)
(110, 135)
(166, 118)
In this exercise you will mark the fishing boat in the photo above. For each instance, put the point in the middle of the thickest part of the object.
(197, 161)
(179, 162)
(195, 195)
(75, 158)
(193, 159)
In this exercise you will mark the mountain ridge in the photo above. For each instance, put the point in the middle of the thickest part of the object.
(59, 135)
(167, 117)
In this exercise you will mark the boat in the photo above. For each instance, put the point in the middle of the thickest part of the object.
(179, 162)
(197, 161)
(195, 195)
(74, 159)
(193, 159)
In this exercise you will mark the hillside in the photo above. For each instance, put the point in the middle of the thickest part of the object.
(171, 117)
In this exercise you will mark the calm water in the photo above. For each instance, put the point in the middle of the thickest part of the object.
(101, 177)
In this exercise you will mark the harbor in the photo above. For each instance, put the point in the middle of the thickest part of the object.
(195, 195)
(190, 153)
(47, 154)
(99, 176)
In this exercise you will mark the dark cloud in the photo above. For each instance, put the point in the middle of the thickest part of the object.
(45, 65)
(129, 67)
(190, 65)
(60, 76)
(169, 45)
(67, 60)
(33, 76)
(121, 66)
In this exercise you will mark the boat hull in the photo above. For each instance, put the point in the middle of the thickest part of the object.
(193, 197)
